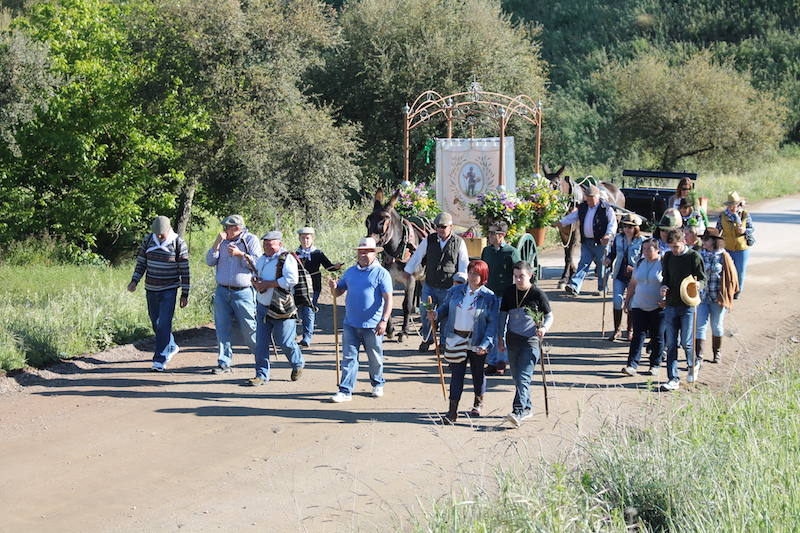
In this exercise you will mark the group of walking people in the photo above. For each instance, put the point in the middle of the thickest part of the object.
(489, 312)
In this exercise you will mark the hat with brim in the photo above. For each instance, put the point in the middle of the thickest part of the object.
(712, 233)
(273, 235)
(690, 292)
(670, 220)
(233, 220)
(368, 244)
(306, 231)
(631, 219)
(734, 198)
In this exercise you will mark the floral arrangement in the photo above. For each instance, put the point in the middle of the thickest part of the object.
(417, 199)
(546, 205)
(495, 206)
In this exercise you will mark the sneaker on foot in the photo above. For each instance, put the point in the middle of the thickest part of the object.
(526, 414)
(377, 391)
(221, 369)
(570, 291)
(172, 352)
(515, 417)
(671, 385)
(304, 343)
(340, 397)
(653, 371)
(297, 373)
(157, 367)
(629, 370)
(256, 381)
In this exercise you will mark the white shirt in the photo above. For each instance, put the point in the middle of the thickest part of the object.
(266, 268)
(588, 228)
(465, 312)
(462, 259)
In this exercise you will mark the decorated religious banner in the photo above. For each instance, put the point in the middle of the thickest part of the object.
(467, 168)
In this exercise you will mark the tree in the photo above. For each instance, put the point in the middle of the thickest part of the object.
(696, 109)
(393, 51)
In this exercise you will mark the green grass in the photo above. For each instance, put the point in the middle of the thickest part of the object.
(721, 462)
(50, 311)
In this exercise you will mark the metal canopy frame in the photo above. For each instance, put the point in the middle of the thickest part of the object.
(469, 106)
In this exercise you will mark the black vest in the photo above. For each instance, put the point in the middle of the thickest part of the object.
(441, 263)
(600, 222)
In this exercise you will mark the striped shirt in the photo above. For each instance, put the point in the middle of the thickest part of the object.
(235, 271)
(166, 269)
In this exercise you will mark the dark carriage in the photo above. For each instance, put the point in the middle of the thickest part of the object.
(648, 192)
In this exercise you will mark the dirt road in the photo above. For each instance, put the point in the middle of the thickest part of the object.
(103, 444)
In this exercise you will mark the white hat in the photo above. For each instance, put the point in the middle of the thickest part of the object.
(305, 231)
(690, 293)
(368, 243)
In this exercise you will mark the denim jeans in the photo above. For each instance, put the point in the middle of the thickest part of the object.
(283, 333)
(619, 292)
(459, 370)
(495, 356)
(710, 313)
(678, 323)
(740, 260)
(646, 323)
(591, 252)
(352, 339)
(229, 305)
(438, 297)
(522, 358)
(307, 315)
(161, 308)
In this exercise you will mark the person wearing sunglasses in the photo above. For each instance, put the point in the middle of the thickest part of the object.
(445, 254)
(682, 192)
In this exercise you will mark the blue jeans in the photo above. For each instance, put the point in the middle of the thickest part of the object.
(522, 358)
(352, 339)
(710, 313)
(307, 315)
(646, 323)
(229, 305)
(459, 370)
(678, 323)
(740, 259)
(495, 356)
(283, 332)
(161, 308)
(591, 252)
(438, 297)
(619, 292)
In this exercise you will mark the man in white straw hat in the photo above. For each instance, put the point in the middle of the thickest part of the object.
(681, 300)
(368, 308)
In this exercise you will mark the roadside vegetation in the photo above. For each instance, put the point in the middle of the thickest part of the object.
(722, 462)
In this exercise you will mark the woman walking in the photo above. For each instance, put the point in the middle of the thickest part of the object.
(737, 230)
(722, 283)
(625, 252)
(468, 315)
(643, 304)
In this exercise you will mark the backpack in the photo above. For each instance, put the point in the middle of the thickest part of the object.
(284, 303)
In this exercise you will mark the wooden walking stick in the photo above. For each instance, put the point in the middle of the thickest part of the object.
(544, 378)
(436, 348)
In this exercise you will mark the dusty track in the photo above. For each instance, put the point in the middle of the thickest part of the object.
(103, 444)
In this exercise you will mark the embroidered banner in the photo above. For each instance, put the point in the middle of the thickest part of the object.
(467, 168)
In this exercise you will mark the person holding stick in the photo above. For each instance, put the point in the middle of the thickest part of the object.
(525, 317)
(368, 307)
(468, 315)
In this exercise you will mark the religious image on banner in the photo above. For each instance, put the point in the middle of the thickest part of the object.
(467, 168)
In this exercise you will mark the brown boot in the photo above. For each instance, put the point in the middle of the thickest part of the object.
(716, 343)
(698, 349)
(476, 406)
(450, 418)
(617, 321)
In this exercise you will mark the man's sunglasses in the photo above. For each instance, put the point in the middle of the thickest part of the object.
(441, 226)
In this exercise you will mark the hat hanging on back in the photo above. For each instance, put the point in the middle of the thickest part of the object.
(734, 198)
(160, 225)
(368, 244)
(670, 220)
(308, 230)
(233, 220)
(273, 235)
(690, 292)
(443, 219)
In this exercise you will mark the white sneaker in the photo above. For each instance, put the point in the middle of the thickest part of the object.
(653, 371)
(340, 397)
(671, 385)
(157, 367)
(170, 354)
(377, 391)
(629, 370)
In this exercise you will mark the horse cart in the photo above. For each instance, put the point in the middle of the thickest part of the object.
(647, 195)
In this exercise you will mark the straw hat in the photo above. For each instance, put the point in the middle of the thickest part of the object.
(368, 244)
(734, 198)
(690, 292)
(670, 220)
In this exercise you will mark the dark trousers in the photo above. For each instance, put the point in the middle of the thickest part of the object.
(646, 323)
(459, 370)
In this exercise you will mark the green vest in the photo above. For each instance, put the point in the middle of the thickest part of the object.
(441, 263)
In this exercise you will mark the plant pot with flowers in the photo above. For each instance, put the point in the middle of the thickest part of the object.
(545, 207)
(496, 206)
(417, 202)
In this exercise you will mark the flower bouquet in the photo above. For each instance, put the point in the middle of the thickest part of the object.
(546, 205)
(417, 199)
(495, 206)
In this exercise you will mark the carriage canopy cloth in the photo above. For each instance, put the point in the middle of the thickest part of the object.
(467, 168)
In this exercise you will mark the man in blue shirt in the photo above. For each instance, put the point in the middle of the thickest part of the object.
(368, 307)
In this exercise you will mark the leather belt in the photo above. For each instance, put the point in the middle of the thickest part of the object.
(463, 334)
(232, 288)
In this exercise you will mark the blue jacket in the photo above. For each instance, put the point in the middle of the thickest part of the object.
(634, 252)
(484, 332)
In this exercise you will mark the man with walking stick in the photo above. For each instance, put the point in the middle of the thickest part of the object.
(525, 317)
(368, 307)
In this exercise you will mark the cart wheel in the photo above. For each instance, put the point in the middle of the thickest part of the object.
(528, 252)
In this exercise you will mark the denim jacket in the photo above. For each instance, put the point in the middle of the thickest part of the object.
(634, 252)
(484, 330)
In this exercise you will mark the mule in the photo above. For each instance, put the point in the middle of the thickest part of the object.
(399, 238)
(570, 235)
